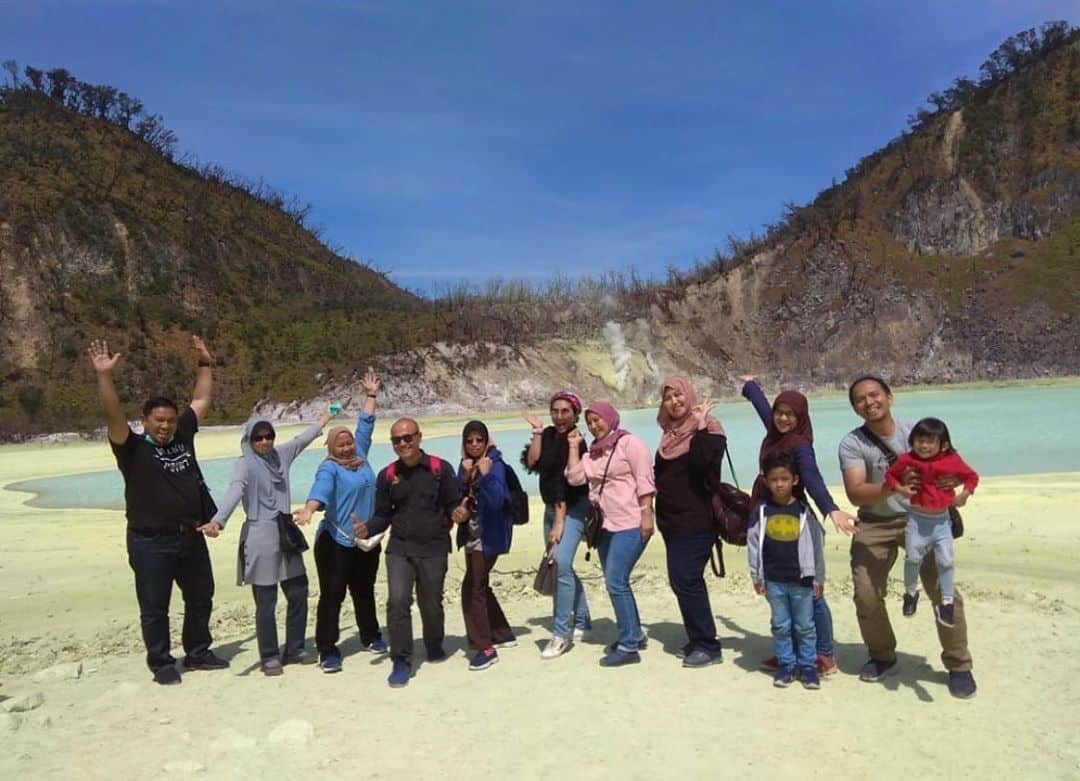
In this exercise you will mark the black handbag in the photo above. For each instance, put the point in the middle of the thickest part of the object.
(731, 514)
(594, 518)
(546, 573)
(290, 536)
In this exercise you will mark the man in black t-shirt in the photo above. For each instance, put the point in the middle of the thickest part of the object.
(168, 509)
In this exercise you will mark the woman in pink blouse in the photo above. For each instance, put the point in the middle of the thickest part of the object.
(618, 469)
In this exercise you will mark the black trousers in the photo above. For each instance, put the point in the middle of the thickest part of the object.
(687, 555)
(344, 569)
(159, 560)
(428, 575)
(296, 594)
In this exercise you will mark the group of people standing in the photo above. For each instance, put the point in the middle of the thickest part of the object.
(604, 490)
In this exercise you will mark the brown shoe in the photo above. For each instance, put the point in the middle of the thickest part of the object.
(826, 665)
(772, 664)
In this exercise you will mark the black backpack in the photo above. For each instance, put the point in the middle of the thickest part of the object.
(519, 500)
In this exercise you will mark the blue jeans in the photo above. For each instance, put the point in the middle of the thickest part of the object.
(792, 608)
(823, 626)
(569, 593)
(923, 533)
(687, 555)
(619, 552)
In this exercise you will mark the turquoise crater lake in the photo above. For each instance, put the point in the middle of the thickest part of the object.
(1000, 431)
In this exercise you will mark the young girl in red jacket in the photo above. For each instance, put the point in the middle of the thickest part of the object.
(928, 524)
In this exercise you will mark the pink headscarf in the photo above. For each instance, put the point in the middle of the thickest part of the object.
(677, 433)
(609, 415)
(569, 398)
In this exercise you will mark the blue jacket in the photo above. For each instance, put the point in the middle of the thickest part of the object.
(493, 508)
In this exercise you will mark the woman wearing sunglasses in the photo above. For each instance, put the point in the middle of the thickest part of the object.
(345, 488)
(485, 528)
(260, 480)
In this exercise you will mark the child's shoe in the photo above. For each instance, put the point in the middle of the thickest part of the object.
(911, 604)
(809, 678)
(945, 615)
(785, 676)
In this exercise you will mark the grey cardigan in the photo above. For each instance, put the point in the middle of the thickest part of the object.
(263, 497)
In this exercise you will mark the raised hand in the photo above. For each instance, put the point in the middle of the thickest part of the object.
(484, 465)
(370, 382)
(200, 349)
(534, 422)
(747, 377)
(100, 358)
(573, 436)
(701, 412)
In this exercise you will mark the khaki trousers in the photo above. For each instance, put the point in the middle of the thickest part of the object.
(874, 551)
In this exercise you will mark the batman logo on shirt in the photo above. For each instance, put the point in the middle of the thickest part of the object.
(782, 528)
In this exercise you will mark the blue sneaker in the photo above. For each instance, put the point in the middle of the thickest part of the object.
(484, 659)
(784, 676)
(331, 663)
(376, 646)
(618, 658)
(809, 677)
(400, 674)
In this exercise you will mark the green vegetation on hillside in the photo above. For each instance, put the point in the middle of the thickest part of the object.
(104, 232)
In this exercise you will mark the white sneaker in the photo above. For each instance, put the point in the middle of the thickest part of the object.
(511, 643)
(579, 634)
(556, 646)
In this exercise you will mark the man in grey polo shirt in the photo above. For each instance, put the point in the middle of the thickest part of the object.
(874, 550)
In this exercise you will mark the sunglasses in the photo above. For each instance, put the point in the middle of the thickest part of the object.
(406, 438)
(475, 441)
(263, 438)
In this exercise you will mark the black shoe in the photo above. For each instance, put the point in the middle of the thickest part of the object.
(945, 615)
(302, 656)
(271, 666)
(642, 644)
(206, 661)
(962, 684)
(436, 654)
(874, 670)
(167, 676)
(911, 603)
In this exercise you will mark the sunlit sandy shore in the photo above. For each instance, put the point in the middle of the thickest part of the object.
(66, 595)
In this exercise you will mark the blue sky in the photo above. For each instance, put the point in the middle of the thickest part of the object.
(477, 138)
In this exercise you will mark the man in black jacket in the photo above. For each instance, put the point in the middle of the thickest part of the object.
(414, 497)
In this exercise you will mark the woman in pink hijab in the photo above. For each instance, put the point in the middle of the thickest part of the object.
(692, 446)
(618, 471)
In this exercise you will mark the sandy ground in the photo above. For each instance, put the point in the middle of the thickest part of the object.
(66, 598)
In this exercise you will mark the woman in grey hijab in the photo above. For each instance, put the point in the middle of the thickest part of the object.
(260, 480)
